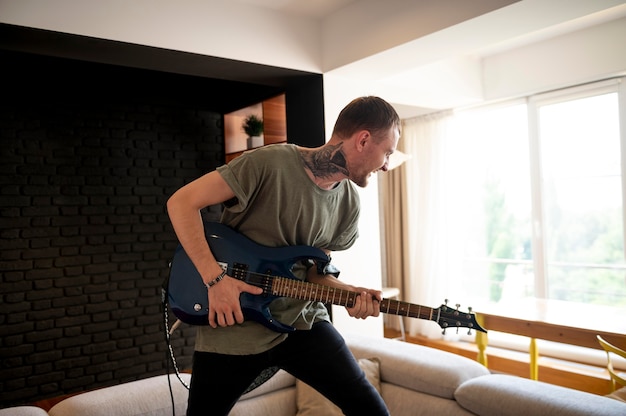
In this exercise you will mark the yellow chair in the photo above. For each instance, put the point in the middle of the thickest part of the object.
(616, 377)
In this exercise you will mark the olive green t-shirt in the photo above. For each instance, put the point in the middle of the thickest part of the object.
(278, 205)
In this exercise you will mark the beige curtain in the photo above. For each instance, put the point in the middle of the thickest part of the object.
(394, 244)
(413, 208)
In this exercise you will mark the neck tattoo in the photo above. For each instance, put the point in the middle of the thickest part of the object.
(326, 161)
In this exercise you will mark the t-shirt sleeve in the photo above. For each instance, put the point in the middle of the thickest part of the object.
(243, 185)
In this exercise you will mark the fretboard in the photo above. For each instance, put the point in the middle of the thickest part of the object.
(296, 289)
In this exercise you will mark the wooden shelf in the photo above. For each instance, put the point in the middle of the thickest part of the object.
(274, 124)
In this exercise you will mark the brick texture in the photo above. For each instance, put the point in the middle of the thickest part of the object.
(86, 240)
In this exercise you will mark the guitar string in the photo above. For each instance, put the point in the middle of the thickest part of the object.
(392, 306)
(292, 287)
(409, 309)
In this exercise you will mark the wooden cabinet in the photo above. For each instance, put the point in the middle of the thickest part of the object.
(274, 120)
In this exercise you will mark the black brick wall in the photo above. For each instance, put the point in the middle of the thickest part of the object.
(87, 166)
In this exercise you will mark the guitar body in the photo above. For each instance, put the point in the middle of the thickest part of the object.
(244, 260)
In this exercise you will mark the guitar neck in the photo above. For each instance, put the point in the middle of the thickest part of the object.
(296, 289)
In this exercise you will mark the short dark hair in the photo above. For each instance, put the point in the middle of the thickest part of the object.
(366, 113)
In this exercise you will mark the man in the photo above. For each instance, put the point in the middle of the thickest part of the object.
(285, 195)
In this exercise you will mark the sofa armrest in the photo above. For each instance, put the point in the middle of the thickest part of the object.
(150, 396)
(23, 411)
(507, 395)
(416, 367)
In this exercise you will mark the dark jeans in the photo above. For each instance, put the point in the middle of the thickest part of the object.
(318, 357)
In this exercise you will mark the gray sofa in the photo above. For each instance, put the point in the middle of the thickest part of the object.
(413, 380)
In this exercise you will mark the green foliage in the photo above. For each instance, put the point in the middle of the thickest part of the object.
(582, 247)
(253, 125)
(500, 233)
(593, 238)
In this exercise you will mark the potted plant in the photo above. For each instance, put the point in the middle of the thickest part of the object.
(253, 126)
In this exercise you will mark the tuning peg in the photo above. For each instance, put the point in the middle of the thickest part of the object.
(469, 331)
(458, 305)
(445, 301)
(443, 332)
(469, 309)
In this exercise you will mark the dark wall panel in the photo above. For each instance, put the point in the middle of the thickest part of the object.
(85, 238)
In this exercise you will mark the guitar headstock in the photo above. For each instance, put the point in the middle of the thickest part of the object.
(448, 317)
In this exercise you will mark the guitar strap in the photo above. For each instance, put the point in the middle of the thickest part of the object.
(331, 269)
(262, 378)
(325, 267)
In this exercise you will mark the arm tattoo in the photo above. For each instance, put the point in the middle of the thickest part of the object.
(326, 161)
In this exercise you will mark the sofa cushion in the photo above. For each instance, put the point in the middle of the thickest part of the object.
(416, 367)
(312, 403)
(121, 400)
(506, 395)
(23, 411)
(404, 402)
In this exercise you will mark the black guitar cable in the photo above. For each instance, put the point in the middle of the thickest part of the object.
(169, 354)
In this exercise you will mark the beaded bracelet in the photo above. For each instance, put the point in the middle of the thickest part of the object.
(216, 280)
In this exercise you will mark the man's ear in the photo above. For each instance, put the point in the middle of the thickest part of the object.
(362, 137)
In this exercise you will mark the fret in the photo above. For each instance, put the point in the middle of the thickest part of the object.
(281, 286)
(297, 291)
(278, 287)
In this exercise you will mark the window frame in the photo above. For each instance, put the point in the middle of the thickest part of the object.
(538, 217)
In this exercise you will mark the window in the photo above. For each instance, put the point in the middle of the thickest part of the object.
(581, 199)
(542, 182)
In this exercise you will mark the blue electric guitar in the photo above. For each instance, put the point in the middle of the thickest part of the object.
(270, 269)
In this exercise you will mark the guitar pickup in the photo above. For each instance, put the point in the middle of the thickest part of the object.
(239, 271)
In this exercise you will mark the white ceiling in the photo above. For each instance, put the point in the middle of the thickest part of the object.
(442, 69)
(311, 8)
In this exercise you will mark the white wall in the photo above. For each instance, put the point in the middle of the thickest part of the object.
(361, 264)
(582, 56)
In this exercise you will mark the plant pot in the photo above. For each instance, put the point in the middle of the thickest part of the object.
(254, 141)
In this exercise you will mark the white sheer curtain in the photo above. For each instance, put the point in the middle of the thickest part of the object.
(419, 201)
